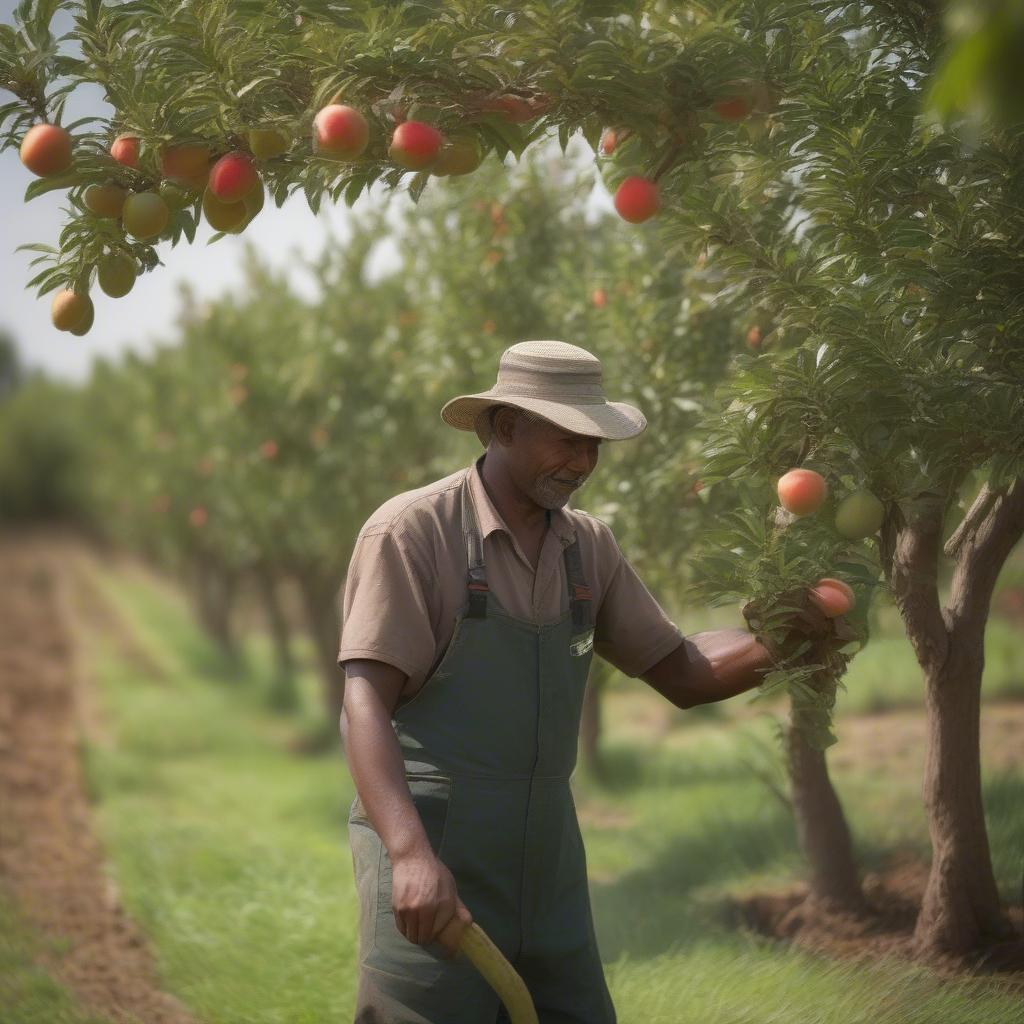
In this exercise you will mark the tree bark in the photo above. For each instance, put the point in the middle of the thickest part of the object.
(215, 588)
(284, 695)
(822, 830)
(961, 910)
(321, 600)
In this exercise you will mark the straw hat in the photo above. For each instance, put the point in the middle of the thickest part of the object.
(556, 381)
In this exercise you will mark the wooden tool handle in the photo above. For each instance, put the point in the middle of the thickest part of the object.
(485, 956)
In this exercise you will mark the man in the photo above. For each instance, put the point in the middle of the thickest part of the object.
(472, 608)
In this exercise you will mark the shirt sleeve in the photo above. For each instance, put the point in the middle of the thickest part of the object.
(385, 611)
(632, 631)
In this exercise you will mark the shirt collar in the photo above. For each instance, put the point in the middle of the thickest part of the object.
(490, 519)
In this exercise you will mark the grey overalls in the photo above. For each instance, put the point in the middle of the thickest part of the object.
(489, 743)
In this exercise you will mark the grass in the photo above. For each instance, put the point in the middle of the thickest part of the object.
(28, 995)
(232, 854)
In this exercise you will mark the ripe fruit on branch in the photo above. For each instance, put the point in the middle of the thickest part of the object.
(69, 309)
(232, 176)
(340, 131)
(177, 193)
(754, 337)
(599, 297)
(191, 160)
(732, 108)
(637, 199)
(459, 155)
(859, 515)
(197, 517)
(105, 200)
(268, 449)
(125, 150)
(801, 491)
(252, 202)
(415, 145)
(116, 274)
(86, 324)
(145, 215)
(832, 597)
(609, 140)
(222, 216)
(267, 143)
(46, 150)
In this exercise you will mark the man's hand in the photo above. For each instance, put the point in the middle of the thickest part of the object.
(781, 632)
(424, 901)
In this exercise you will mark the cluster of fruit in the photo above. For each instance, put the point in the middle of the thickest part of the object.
(232, 189)
(859, 515)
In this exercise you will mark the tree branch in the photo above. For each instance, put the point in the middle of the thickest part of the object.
(983, 553)
(969, 526)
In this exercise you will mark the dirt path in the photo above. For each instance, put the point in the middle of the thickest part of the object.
(51, 864)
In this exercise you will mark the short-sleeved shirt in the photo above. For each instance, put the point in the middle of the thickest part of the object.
(406, 581)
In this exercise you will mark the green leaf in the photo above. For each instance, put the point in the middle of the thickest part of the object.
(44, 185)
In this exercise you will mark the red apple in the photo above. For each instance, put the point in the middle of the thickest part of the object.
(415, 145)
(609, 140)
(340, 131)
(232, 176)
(801, 491)
(125, 150)
(636, 199)
(832, 597)
(599, 297)
(46, 150)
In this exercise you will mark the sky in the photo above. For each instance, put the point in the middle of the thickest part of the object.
(145, 317)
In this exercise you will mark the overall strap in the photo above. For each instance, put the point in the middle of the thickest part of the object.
(579, 592)
(477, 578)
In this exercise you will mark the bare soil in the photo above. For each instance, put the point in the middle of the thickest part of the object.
(886, 932)
(51, 863)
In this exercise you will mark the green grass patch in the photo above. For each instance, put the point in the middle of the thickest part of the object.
(28, 995)
(232, 853)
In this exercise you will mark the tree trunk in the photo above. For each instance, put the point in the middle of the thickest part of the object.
(822, 830)
(214, 589)
(283, 695)
(961, 909)
(321, 601)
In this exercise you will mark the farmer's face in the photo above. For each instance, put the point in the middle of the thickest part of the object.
(549, 463)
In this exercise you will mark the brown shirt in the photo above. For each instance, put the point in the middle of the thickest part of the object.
(406, 582)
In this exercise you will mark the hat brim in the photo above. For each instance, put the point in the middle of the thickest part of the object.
(613, 421)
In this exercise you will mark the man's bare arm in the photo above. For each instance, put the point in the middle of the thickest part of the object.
(424, 898)
(709, 667)
(375, 759)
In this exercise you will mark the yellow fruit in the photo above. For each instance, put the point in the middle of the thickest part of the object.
(176, 193)
(145, 215)
(86, 324)
(461, 155)
(105, 200)
(859, 515)
(117, 274)
(266, 143)
(222, 216)
(69, 309)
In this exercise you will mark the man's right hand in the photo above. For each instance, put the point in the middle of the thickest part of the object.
(424, 901)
